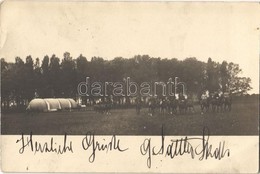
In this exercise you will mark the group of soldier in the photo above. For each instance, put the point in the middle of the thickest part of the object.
(169, 105)
(216, 102)
(180, 104)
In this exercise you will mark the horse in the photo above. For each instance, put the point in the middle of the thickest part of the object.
(138, 106)
(163, 106)
(103, 107)
(217, 103)
(151, 106)
(189, 105)
(172, 105)
(227, 103)
(182, 106)
(204, 104)
(99, 108)
(108, 107)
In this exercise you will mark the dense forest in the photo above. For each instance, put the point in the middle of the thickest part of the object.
(59, 77)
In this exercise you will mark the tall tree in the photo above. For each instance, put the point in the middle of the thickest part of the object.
(54, 77)
(212, 82)
(235, 83)
(29, 85)
(224, 76)
(18, 78)
(6, 87)
(192, 73)
(68, 76)
(82, 71)
(21, 81)
(45, 86)
(37, 77)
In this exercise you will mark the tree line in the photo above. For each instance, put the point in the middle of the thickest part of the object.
(22, 81)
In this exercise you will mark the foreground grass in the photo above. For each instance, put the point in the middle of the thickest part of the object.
(242, 120)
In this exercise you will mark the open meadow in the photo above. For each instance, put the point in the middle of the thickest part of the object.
(242, 120)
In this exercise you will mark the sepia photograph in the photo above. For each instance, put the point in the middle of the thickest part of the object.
(130, 69)
(128, 73)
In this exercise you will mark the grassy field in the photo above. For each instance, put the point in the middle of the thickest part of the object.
(242, 120)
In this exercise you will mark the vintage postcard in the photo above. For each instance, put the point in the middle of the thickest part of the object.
(137, 87)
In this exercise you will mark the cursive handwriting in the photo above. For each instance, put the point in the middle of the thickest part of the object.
(89, 142)
(179, 147)
(195, 147)
(51, 146)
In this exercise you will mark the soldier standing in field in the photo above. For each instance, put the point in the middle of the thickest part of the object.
(138, 105)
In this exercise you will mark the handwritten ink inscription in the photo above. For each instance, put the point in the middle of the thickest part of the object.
(196, 147)
(182, 146)
(51, 146)
(89, 142)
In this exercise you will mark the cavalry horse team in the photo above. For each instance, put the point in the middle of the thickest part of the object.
(214, 102)
(218, 102)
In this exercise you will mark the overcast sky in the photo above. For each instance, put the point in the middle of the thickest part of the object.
(222, 31)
